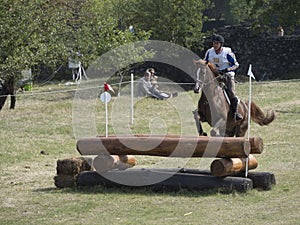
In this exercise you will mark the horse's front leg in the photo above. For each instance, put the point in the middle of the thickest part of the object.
(219, 128)
(198, 124)
(12, 101)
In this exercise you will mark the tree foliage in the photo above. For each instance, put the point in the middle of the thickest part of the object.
(264, 13)
(36, 32)
(48, 32)
(277, 12)
(271, 13)
(176, 21)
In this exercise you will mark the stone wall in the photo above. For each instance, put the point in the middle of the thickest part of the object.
(272, 57)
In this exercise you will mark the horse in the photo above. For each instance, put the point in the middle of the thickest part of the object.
(214, 107)
(7, 88)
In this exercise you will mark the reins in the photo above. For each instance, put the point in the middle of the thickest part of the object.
(203, 84)
(210, 81)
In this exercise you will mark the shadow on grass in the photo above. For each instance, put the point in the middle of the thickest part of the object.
(134, 190)
(145, 191)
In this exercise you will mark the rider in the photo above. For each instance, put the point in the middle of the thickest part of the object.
(225, 61)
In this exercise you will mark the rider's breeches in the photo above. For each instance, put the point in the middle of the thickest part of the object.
(230, 86)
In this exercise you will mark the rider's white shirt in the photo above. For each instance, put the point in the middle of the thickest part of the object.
(224, 60)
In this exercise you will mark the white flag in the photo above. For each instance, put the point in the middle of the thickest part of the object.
(250, 72)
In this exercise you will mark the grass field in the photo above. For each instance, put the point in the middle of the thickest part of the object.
(39, 132)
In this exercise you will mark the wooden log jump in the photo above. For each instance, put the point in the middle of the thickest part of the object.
(103, 163)
(231, 166)
(68, 169)
(174, 182)
(170, 146)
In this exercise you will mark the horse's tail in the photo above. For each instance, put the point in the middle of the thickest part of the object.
(258, 116)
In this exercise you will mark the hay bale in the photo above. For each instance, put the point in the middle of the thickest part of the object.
(87, 164)
(73, 166)
(65, 180)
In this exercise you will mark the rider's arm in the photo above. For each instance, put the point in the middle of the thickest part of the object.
(232, 61)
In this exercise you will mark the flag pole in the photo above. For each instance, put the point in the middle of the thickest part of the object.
(250, 74)
(105, 97)
(132, 100)
(106, 115)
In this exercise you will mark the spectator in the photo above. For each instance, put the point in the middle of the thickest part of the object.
(147, 87)
(280, 31)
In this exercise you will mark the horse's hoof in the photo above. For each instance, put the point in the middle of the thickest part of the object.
(203, 134)
(175, 94)
(213, 133)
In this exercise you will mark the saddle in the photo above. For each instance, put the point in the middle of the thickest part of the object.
(225, 89)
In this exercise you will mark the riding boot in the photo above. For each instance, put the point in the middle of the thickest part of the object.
(236, 114)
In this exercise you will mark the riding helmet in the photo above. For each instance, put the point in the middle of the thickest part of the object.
(218, 38)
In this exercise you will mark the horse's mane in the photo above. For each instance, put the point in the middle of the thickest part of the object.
(213, 68)
(210, 65)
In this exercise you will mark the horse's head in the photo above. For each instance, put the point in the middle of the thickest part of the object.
(201, 73)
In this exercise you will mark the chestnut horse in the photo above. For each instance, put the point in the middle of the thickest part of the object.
(214, 108)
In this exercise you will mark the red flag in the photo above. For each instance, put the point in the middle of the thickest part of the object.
(107, 87)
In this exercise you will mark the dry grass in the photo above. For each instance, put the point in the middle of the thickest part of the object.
(39, 132)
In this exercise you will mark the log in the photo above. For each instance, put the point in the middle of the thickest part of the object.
(103, 163)
(231, 166)
(262, 180)
(173, 182)
(229, 147)
(126, 162)
(256, 143)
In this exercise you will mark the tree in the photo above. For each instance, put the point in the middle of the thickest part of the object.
(176, 21)
(271, 13)
(39, 32)
(278, 12)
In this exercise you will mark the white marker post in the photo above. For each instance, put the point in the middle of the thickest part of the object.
(132, 99)
(251, 75)
(105, 97)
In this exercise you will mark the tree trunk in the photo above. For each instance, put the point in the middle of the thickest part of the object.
(166, 181)
(225, 167)
(169, 146)
(103, 163)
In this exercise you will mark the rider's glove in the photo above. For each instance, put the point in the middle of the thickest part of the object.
(222, 71)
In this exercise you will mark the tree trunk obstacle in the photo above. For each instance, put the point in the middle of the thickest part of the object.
(103, 163)
(68, 169)
(115, 154)
(231, 166)
(171, 146)
(175, 181)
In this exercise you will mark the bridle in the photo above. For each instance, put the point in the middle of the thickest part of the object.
(202, 83)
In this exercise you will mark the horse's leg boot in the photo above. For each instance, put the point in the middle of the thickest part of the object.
(196, 88)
